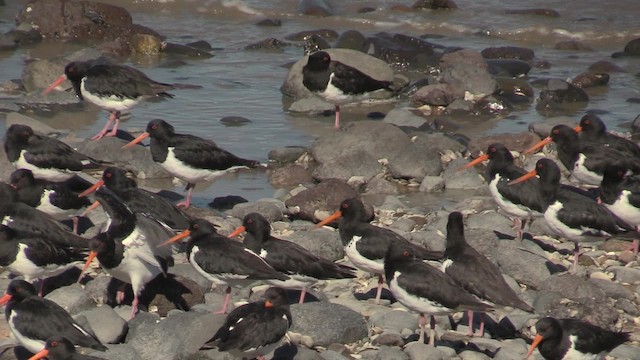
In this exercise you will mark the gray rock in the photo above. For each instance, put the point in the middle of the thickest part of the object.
(473, 355)
(395, 320)
(403, 225)
(321, 242)
(467, 70)
(613, 289)
(189, 272)
(429, 239)
(543, 128)
(626, 274)
(490, 221)
(523, 266)
(72, 298)
(328, 323)
(325, 197)
(628, 307)
(314, 105)
(97, 288)
(437, 142)
(418, 351)
(628, 352)
(389, 338)
(268, 209)
(37, 126)
(107, 325)
(404, 118)
(293, 87)
(287, 154)
(380, 185)
(514, 142)
(390, 353)
(118, 352)
(467, 179)
(290, 175)
(351, 39)
(438, 94)
(332, 355)
(431, 184)
(315, 8)
(212, 354)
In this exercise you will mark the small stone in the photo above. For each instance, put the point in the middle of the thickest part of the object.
(235, 121)
(432, 184)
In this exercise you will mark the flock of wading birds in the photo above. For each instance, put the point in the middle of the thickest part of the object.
(134, 245)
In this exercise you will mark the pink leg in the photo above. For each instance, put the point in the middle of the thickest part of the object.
(470, 323)
(225, 304)
(517, 227)
(633, 247)
(379, 292)
(302, 295)
(482, 315)
(337, 122)
(74, 220)
(41, 290)
(114, 130)
(120, 294)
(186, 203)
(100, 135)
(134, 307)
(422, 322)
(432, 340)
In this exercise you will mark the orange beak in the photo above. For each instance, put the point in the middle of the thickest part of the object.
(539, 145)
(238, 231)
(55, 84)
(93, 188)
(536, 342)
(142, 136)
(578, 129)
(92, 255)
(332, 217)
(5, 299)
(523, 178)
(90, 208)
(41, 355)
(268, 304)
(176, 238)
(475, 162)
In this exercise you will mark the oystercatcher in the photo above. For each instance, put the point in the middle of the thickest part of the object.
(366, 245)
(33, 319)
(140, 200)
(255, 329)
(593, 131)
(189, 157)
(48, 159)
(586, 162)
(34, 257)
(425, 289)
(115, 88)
(338, 83)
(620, 194)
(222, 260)
(303, 268)
(128, 249)
(60, 348)
(475, 273)
(558, 339)
(518, 201)
(569, 214)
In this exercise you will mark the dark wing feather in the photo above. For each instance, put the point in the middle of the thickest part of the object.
(46, 152)
(66, 199)
(257, 329)
(227, 257)
(43, 253)
(128, 82)
(599, 158)
(352, 81)
(206, 154)
(291, 258)
(238, 313)
(592, 339)
(142, 201)
(580, 212)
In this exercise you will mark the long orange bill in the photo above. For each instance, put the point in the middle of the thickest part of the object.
(475, 162)
(5, 299)
(332, 217)
(142, 136)
(523, 178)
(93, 188)
(55, 84)
(578, 129)
(90, 208)
(539, 145)
(41, 355)
(238, 231)
(176, 238)
(92, 255)
(536, 342)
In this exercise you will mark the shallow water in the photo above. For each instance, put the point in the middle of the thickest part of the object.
(246, 83)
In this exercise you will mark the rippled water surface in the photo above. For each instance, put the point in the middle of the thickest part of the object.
(246, 83)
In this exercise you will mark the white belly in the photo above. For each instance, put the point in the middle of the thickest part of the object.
(583, 175)
(296, 281)
(573, 354)
(361, 262)
(415, 303)
(47, 207)
(23, 266)
(193, 175)
(563, 230)
(624, 210)
(506, 205)
(32, 345)
(109, 103)
(51, 174)
(222, 279)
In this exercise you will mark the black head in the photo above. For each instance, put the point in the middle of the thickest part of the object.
(548, 171)
(8, 194)
(19, 133)
(22, 178)
(19, 290)
(614, 174)
(275, 297)
(548, 328)
(499, 152)
(318, 61)
(116, 178)
(592, 124)
(201, 227)
(455, 229)
(353, 209)
(255, 223)
(159, 129)
(399, 252)
(6, 233)
(101, 245)
(59, 347)
(76, 70)
(563, 134)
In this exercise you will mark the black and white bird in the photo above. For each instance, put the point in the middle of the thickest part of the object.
(620, 193)
(593, 131)
(424, 289)
(568, 339)
(128, 249)
(303, 268)
(339, 83)
(60, 348)
(187, 157)
(33, 319)
(475, 273)
(115, 88)
(47, 158)
(255, 329)
(365, 244)
(223, 261)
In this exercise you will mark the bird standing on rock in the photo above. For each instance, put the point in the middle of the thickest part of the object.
(115, 88)
(190, 158)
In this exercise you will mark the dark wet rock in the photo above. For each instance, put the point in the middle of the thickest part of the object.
(24, 35)
(468, 179)
(7, 43)
(136, 160)
(200, 45)
(271, 44)
(235, 120)
(559, 92)
(539, 12)
(514, 142)
(590, 79)
(516, 91)
(269, 22)
(315, 43)
(508, 67)
(380, 185)
(187, 271)
(145, 44)
(290, 175)
(188, 51)
(351, 39)
(434, 4)
(302, 35)
(492, 105)
(357, 149)
(632, 48)
(405, 118)
(106, 324)
(269, 209)
(315, 8)
(604, 66)
(293, 87)
(438, 95)
(437, 142)
(287, 154)
(543, 128)
(508, 52)
(328, 323)
(467, 70)
(366, 9)
(573, 45)
(321, 242)
(403, 51)
(226, 202)
(177, 292)
(325, 197)
(72, 298)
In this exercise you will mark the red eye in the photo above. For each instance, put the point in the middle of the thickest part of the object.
(587, 122)
(405, 253)
(71, 69)
(540, 166)
(492, 149)
(154, 126)
(325, 59)
(108, 175)
(250, 221)
(345, 206)
(556, 131)
(196, 226)
(54, 343)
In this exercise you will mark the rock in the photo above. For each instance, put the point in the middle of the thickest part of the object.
(351, 39)
(573, 45)
(390, 353)
(290, 175)
(187, 271)
(508, 67)
(543, 128)
(514, 142)
(328, 323)
(438, 95)
(325, 197)
(558, 92)
(376, 68)
(329, 34)
(321, 242)
(473, 355)
(515, 91)
(389, 339)
(106, 324)
(466, 179)
(604, 66)
(437, 142)
(72, 298)
(508, 52)
(97, 288)
(118, 352)
(314, 105)
(185, 51)
(394, 320)
(632, 48)
(523, 266)
(626, 274)
(270, 45)
(287, 154)
(177, 292)
(590, 79)
(492, 105)
(380, 185)
(37, 126)
(269, 22)
(270, 210)
(613, 289)
(357, 149)
(234, 121)
(467, 70)
(403, 51)
(226, 202)
(146, 44)
(490, 220)
(538, 12)
(434, 4)
(431, 184)
(624, 351)
(404, 118)
(315, 8)
(418, 351)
